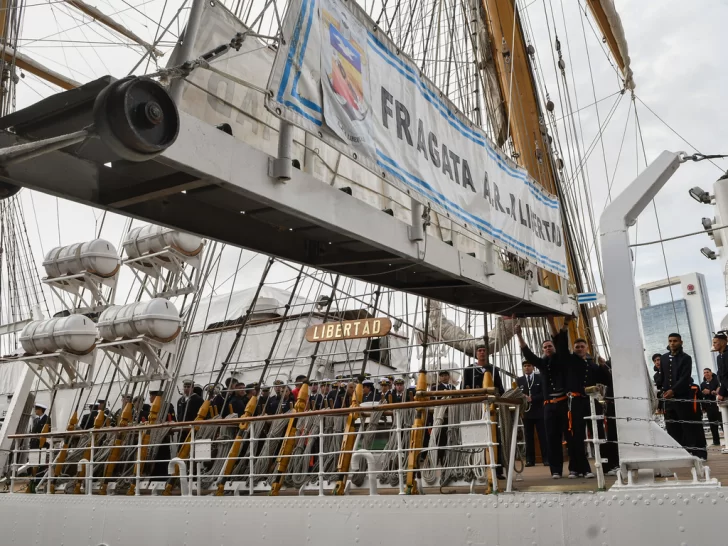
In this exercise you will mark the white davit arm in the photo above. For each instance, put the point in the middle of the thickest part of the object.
(638, 440)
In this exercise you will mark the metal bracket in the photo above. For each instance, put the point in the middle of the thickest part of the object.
(143, 358)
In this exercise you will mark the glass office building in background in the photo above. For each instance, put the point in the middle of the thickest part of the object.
(687, 313)
(658, 321)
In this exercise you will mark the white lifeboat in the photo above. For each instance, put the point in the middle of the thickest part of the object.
(152, 238)
(74, 334)
(157, 319)
(98, 257)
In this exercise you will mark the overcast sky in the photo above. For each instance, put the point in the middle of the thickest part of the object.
(678, 56)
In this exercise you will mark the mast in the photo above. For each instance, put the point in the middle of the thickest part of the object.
(521, 102)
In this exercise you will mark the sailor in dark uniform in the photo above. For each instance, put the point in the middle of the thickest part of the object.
(556, 408)
(86, 422)
(530, 384)
(676, 367)
(315, 398)
(219, 401)
(385, 391)
(709, 388)
(40, 420)
(473, 375)
(368, 389)
(273, 405)
(189, 403)
(262, 400)
(444, 383)
(399, 394)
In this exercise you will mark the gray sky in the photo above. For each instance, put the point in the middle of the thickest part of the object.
(678, 57)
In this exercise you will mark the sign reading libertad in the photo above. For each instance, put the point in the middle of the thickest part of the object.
(349, 329)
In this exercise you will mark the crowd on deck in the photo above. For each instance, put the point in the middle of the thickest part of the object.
(554, 382)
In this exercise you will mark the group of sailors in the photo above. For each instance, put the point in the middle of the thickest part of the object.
(559, 405)
(558, 411)
(683, 402)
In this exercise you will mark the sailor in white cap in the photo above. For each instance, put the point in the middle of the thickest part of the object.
(189, 403)
(40, 420)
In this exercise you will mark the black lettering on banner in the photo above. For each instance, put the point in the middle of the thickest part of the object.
(520, 213)
(421, 139)
(528, 215)
(386, 107)
(455, 162)
(539, 227)
(513, 206)
(486, 187)
(403, 122)
(446, 169)
(556, 233)
(496, 198)
(434, 152)
(467, 178)
(547, 225)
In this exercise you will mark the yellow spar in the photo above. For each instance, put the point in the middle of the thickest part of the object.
(126, 417)
(236, 446)
(417, 437)
(347, 445)
(153, 412)
(58, 468)
(98, 423)
(184, 451)
(288, 444)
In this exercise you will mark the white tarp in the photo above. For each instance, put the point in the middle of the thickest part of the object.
(339, 76)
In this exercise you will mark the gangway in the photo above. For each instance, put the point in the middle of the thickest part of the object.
(216, 186)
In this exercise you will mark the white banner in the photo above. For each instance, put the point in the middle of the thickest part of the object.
(341, 78)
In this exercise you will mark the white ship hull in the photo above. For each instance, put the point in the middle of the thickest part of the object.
(656, 516)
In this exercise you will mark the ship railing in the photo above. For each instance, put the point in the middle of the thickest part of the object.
(200, 471)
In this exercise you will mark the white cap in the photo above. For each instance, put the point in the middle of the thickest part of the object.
(41, 406)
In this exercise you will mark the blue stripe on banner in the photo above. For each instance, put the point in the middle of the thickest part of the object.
(420, 185)
(289, 63)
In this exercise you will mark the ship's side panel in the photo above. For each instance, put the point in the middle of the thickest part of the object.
(660, 516)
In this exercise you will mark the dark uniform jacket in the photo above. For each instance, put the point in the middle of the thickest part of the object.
(712, 385)
(404, 396)
(532, 387)
(657, 378)
(676, 374)
(473, 377)
(552, 368)
(187, 409)
(37, 428)
(384, 397)
(445, 387)
(722, 361)
(369, 397)
(316, 401)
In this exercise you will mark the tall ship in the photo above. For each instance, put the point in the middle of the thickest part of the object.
(273, 270)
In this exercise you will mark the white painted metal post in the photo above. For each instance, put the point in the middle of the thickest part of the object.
(138, 476)
(596, 441)
(514, 447)
(251, 460)
(280, 167)
(416, 231)
(90, 469)
(49, 472)
(400, 473)
(321, 456)
(724, 414)
(88, 475)
(489, 446)
(186, 51)
(13, 470)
